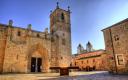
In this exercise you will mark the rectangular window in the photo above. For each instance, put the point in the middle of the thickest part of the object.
(120, 60)
(63, 41)
(116, 37)
(126, 26)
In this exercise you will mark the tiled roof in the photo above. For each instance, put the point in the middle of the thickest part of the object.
(89, 54)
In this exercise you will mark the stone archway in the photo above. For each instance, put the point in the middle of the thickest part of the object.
(36, 62)
(38, 59)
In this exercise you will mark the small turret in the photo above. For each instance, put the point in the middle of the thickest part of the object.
(80, 49)
(10, 23)
(57, 6)
(29, 27)
(89, 47)
(69, 9)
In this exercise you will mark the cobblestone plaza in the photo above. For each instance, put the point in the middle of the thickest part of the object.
(95, 75)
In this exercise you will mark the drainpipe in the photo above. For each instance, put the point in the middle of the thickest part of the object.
(113, 51)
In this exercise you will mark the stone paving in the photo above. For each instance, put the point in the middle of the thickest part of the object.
(95, 75)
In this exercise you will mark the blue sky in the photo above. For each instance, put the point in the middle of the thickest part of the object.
(88, 17)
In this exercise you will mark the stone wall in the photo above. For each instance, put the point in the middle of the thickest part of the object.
(3, 31)
(20, 44)
(116, 46)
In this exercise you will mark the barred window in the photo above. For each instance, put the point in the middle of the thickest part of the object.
(116, 37)
(120, 59)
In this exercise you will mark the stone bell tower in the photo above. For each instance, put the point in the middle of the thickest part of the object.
(60, 29)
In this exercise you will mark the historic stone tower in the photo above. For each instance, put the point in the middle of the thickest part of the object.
(60, 29)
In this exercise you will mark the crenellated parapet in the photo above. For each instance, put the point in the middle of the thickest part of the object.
(20, 35)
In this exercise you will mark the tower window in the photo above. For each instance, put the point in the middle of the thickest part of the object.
(19, 33)
(63, 41)
(63, 34)
(62, 16)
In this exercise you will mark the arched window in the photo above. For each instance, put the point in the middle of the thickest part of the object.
(62, 16)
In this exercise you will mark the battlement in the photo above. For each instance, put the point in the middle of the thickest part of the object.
(24, 32)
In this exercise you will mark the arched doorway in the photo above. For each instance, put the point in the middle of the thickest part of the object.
(38, 59)
(36, 62)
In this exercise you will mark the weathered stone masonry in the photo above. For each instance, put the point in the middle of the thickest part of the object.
(26, 50)
(116, 45)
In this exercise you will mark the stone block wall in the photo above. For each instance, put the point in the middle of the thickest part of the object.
(17, 48)
(116, 46)
(3, 31)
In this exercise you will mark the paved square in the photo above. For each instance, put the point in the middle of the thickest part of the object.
(95, 75)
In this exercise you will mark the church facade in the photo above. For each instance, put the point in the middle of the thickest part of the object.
(24, 50)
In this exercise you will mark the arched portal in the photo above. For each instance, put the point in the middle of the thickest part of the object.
(36, 62)
(38, 59)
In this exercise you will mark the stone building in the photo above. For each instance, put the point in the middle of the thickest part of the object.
(116, 38)
(90, 60)
(25, 50)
